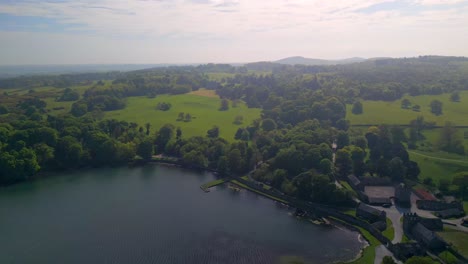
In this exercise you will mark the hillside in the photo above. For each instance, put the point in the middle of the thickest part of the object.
(310, 61)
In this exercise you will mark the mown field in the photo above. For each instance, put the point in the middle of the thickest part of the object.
(380, 112)
(433, 165)
(202, 107)
(457, 239)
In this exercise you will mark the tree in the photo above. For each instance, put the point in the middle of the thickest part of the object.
(188, 117)
(336, 109)
(234, 159)
(357, 156)
(436, 107)
(342, 139)
(238, 120)
(213, 132)
(222, 167)
(357, 108)
(343, 162)
(165, 134)
(326, 166)
(69, 95)
(195, 158)
(179, 133)
(68, 152)
(461, 181)
(455, 96)
(388, 260)
(3, 110)
(444, 185)
(145, 149)
(180, 117)
(450, 139)
(147, 126)
(44, 154)
(268, 124)
(79, 109)
(396, 169)
(238, 134)
(416, 108)
(224, 105)
(405, 103)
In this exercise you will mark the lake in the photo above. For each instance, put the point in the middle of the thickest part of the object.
(155, 214)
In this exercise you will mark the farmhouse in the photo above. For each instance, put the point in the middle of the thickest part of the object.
(378, 195)
(422, 230)
(405, 251)
(465, 222)
(403, 195)
(370, 214)
(438, 205)
(354, 182)
(427, 237)
(448, 213)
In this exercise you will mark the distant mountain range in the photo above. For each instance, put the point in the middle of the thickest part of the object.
(309, 61)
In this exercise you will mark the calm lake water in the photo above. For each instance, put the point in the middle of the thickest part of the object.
(155, 214)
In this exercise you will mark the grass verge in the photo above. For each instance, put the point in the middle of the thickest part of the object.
(213, 183)
(258, 192)
(368, 253)
(390, 231)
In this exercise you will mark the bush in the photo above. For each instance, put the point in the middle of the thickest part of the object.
(163, 106)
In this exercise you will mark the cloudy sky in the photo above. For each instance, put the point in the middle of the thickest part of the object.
(199, 31)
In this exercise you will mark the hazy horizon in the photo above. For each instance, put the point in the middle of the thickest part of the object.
(65, 32)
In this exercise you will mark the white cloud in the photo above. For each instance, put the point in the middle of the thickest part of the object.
(244, 30)
(439, 2)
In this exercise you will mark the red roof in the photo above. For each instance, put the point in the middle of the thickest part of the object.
(425, 195)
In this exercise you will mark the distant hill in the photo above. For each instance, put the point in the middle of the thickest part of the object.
(309, 61)
(10, 71)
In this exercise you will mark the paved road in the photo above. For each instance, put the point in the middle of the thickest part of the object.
(380, 252)
(420, 212)
(458, 226)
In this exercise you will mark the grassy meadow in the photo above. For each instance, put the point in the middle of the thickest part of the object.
(457, 239)
(438, 168)
(381, 112)
(202, 105)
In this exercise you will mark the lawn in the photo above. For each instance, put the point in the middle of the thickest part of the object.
(259, 192)
(457, 239)
(349, 188)
(368, 253)
(203, 109)
(213, 183)
(381, 112)
(432, 136)
(432, 165)
(389, 232)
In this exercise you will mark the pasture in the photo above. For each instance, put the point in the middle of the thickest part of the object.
(439, 165)
(457, 239)
(202, 108)
(381, 112)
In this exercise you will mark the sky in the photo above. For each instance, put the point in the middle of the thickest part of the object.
(227, 31)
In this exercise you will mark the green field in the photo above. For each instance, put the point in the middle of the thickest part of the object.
(390, 231)
(204, 111)
(457, 239)
(380, 112)
(438, 165)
